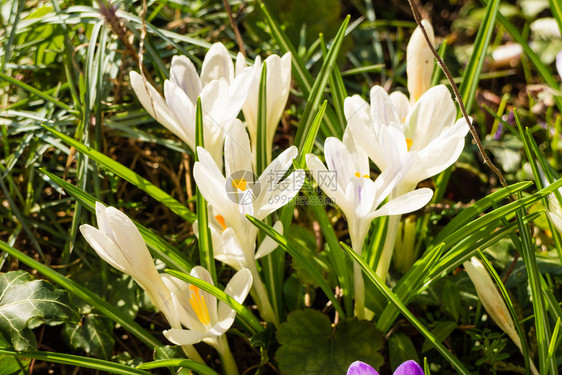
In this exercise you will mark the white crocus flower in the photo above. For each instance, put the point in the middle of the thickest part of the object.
(222, 96)
(119, 242)
(242, 194)
(278, 84)
(492, 300)
(427, 135)
(347, 182)
(205, 318)
(419, 61)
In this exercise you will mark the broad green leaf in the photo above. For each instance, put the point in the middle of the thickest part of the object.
(441, 331)
(310, 345)
(401, 349)
(94, 335)
(451, 300)
(130, 176)
(25, 304)
(171, 352)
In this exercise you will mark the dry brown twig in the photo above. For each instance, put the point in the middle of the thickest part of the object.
(458, 97)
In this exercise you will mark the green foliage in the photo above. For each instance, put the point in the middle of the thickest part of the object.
(26, 304)
(310, 345)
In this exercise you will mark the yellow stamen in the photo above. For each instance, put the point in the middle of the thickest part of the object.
(220, 220)
(409, 143)
(358, 174)
(197, 301)
(239, 183)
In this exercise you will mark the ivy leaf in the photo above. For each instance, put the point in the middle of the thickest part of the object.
(25, 303)
(309, 344)
(94, 336)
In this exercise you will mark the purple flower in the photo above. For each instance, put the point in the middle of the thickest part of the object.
(406, 368)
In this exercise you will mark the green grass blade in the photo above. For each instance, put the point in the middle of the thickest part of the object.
(320, 83)
(159, 248)
(36, 92)
(262, 157)
(303, 78)
(252, 323)
(86, 295)
(556, 9)
(337, 88)
(76, 360)
(471, 75)
(130, 176)
(178, 362)
(479, 207)
(297, 256)
(206, 255)
(392, 298)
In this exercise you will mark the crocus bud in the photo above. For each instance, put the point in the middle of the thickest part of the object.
(419, 62)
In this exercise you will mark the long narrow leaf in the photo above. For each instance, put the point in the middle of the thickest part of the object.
(130, 176)
(77, 360)
(471, 75)
(178, 362)
(392, 298)
(306, 263)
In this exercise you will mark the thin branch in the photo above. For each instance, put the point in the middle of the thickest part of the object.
(234, 27)
(458, 97)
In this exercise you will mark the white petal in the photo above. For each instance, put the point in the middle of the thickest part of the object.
(238, 92)
(238, 288)
(405, 203)
(358, 155)
(153, 102)
(325, 179)
(431, 114)
(237, 152)
(280, 194)
(401, 104)
(217, 64)
(268, 244)
(338, 159)
(106, 248)
(184, 74)
(276, 170)
(184, 110)
(419, 62)
(185, 336)
(382, 110)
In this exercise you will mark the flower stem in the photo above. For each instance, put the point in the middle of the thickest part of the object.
(262, 300)
(386, 255)
(358, 282)
(228, 363)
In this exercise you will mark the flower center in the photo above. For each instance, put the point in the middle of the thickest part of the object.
(357, 174)
(409, 143)
(220, 220)
(239, 184)
(197, 301)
